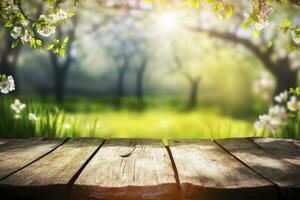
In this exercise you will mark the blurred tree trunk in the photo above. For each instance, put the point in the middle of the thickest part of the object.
(193, 81)
(60, 75)
(285, 77)
(193, 100)
(139, 81)
(9, 59)
(61, 65)
(120, 82)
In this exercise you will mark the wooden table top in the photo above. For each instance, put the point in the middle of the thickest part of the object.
(146, 169)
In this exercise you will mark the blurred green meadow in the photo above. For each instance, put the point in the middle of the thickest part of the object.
(159, 118)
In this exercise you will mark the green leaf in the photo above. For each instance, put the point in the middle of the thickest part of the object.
(50, 47)
(255, 33)
(15, 44)
(70, 14)
(229, 10)
(220, 16)
(66, 39)
(39, 42)
(287, 23)
(269, 44)
(291, 48)
(62, 52)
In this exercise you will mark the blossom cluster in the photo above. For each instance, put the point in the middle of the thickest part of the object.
(265, 11)
(19, 32)
(7, 84)
(286, 108)
(263, 87)
(18, 107)
(48, 23)
(24, 27)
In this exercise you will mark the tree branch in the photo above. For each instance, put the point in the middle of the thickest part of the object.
(264, 56)
(19, 5)
(295, 2)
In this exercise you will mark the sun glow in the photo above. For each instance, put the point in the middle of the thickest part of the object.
(167, 22)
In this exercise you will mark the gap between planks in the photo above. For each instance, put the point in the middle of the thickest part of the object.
(77, 174)
(279, 191)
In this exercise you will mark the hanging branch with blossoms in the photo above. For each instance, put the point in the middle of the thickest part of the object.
(35, 32)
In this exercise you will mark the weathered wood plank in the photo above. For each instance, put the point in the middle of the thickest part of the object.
(284, 174)
(48, 178)
(15, 154)
(128, 169)
(283, 148)
(297, 143)
(206, 171)
(6, 141)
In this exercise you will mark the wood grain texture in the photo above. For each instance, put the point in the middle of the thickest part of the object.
(128, 169)
(281, 172)
(6, 141)
(48, 178)
(15, 154)
(284, 148)
(206, 171)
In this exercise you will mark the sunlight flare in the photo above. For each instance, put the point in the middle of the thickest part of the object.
(167, 22)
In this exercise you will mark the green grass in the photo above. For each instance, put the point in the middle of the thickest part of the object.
(159, 124)
(96, 118)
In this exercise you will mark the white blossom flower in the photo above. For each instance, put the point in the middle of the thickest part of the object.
(264, 119)
(43, 17)
(282, 97)
(52, 18)
(7, 85)
(7, 3)
(66, 126)
(262, 85)
(25, 22)
(16, 32)
(17, 106)
(265, 96)
(265, 10)
(292, 104)
(256, 87)
(295, 64)
(46, 31)
(282, 53)
(295, 37)
(261, 24)
(26, 37)
(17, 116)
(272, 121)
(278, 112)
(61, 14)
(32, 117)
(259, 126)
(266, 83)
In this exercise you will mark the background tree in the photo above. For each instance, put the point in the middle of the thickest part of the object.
(189, 69)
(266, 46)
(61, 65)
